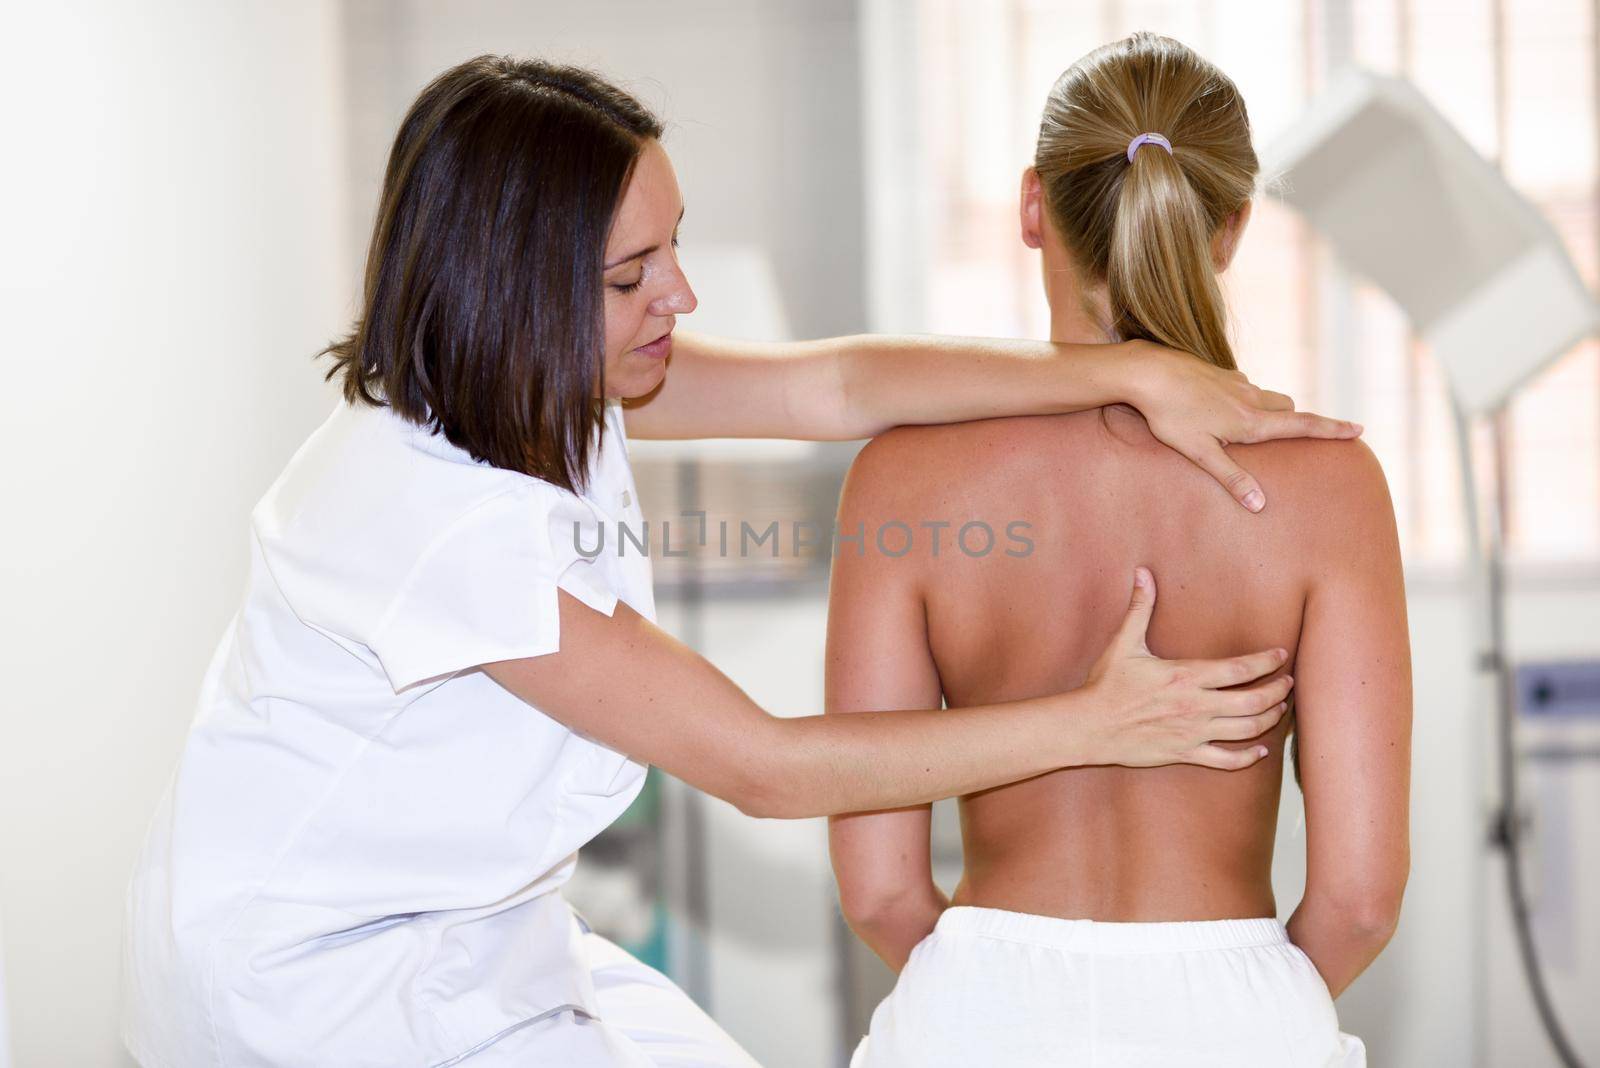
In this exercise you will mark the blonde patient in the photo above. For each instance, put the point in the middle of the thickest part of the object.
(1113, 915)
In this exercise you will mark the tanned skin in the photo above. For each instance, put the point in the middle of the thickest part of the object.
(1317, 573)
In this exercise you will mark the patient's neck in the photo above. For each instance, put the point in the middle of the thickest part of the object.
(1081, 317)
(1071, 323)
(1079, 313)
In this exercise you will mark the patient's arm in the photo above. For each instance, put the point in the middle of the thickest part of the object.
(878, 658)
(1353, 709)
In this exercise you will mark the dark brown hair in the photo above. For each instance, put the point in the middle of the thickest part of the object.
(483, 309)
(1143, 227)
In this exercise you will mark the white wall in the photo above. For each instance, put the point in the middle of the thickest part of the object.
(760, 99)
(5, 1016)
(173, 189)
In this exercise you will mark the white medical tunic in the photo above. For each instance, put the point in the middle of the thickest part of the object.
(356, 860)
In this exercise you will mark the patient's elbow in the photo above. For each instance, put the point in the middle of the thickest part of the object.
(1382, 912)
(1376, 920)
(881, 903)
(1368, 914)
(868, 906)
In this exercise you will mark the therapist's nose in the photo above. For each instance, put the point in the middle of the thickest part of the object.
(679, 299)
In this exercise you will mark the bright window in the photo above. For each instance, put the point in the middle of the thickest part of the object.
(1521, 86)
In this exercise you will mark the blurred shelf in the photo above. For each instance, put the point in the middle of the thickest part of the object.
(767, 526)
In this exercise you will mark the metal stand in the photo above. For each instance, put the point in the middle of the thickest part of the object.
(1506, 825)
(683, 831)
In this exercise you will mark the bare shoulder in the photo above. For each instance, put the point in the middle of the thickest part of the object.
(1332, 487)
(910, 464)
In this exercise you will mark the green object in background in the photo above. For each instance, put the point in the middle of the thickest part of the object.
(634, 842)
(653, 950)
(646, 808)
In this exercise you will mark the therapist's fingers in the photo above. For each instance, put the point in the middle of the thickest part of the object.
(1131, 637)
(1268, 426)
(1233, 670)
(1276, 402)
(1239, 728)
(1214, 461)
(1216, 756)
(1243, 704)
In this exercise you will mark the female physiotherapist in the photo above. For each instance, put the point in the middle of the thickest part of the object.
(430, 698)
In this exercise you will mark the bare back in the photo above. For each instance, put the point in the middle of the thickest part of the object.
(1100, 495)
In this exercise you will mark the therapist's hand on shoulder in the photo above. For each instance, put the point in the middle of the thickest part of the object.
(1196, 408)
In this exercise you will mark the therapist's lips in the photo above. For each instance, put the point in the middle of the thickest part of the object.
(658, 349)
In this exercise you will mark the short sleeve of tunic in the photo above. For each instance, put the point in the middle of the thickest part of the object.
(485, 588)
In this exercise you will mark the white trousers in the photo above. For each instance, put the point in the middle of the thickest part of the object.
(1012, 990)
(645, 1021)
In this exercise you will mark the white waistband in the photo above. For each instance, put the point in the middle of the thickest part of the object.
(1094, 936)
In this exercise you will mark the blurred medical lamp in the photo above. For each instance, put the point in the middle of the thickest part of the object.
(1408, 203)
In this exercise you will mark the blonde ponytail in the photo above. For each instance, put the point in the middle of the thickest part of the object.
(1143, 226)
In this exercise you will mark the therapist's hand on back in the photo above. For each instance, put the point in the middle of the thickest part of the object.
(1149, 711)
(623, 681)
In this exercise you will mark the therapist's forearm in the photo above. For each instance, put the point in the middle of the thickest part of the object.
(824, 765)
(892, 381)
